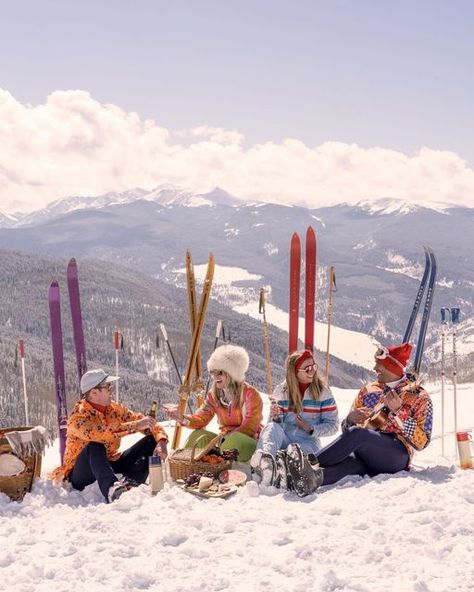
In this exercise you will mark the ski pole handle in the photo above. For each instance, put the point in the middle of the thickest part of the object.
(445, 312)
(455, 315)
(163, 332)
(116, 340)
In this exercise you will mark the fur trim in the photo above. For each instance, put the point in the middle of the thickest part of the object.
(233, 359)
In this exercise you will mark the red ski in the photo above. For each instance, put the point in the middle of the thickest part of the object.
(295, 270)
(310, 290)
(310, 293)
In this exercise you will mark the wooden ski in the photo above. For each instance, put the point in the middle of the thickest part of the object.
(185, 389)
(196, 376)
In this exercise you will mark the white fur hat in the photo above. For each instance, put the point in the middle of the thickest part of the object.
(233, 359)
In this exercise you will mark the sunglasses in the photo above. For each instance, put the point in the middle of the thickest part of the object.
(217, 372)
(382, 354)
(308, 369)
(106, 386)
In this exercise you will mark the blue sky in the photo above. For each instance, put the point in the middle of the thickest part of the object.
(391, 74)
(380, 74)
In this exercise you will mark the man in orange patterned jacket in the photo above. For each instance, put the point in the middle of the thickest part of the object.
(389, 419)
(95, 428)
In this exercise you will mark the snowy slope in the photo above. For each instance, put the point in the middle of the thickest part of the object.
(410, 532)
(350, 346)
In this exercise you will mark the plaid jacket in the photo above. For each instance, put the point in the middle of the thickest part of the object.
(413, 423)
(86, 424)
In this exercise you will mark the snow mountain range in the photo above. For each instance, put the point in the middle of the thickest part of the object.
(376, 248)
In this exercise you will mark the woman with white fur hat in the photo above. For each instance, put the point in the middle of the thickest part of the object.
(236, 404)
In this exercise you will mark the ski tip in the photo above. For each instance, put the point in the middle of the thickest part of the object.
(72, 262)
(53, 285)
(310, 231)
(295, 240)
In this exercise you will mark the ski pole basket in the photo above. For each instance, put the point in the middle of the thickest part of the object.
(20, 483)
(186, 461)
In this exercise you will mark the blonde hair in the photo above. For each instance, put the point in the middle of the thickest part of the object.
(236, 388)
(315, 386)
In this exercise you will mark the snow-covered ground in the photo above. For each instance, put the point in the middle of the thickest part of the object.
(408, 532)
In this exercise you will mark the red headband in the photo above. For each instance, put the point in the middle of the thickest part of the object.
(306, 355)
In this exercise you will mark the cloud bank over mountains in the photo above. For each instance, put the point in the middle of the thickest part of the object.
(75, 145)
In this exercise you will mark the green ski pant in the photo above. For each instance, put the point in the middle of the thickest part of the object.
(245, 444)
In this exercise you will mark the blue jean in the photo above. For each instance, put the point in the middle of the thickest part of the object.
(359, 451)
(92, 465)
(273, 438)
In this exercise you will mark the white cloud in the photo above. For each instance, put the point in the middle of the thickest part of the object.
(74, 145)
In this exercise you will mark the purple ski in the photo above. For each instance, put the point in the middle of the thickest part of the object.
(76, 316)
(58, 361)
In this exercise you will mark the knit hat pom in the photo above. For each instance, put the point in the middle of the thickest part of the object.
(233, 359)
(394, 358)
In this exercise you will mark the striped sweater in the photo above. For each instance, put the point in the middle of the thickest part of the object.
(321, 413)
(413, 422)
(246, 419)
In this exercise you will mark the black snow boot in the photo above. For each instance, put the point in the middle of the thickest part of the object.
(282, 478)
(306, 478)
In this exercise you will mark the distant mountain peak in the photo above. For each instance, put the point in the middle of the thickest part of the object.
(221, 196)
(385, 206)
(7, 220)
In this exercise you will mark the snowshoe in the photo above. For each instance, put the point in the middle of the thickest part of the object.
(305, 477)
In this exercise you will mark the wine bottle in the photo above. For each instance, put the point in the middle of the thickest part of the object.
(152, 413)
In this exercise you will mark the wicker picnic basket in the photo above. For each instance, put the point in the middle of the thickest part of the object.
(186, 461)
(16, 486)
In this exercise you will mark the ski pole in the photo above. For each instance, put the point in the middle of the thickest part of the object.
(266, 343)
(332, 289)
(118, 344)
(216, 341)
(455, 320)
(444, 321)
(165, 337)
(21, 352)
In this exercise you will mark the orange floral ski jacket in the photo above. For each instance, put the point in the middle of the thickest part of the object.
(86, 424)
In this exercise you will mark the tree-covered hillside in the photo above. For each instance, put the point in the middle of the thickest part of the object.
(115, 297)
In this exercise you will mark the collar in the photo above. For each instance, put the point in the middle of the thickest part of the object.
(225, 397)
(97, 407)
(395, 383)
(303, 388)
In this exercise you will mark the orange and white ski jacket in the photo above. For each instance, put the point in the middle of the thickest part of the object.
(245, 418)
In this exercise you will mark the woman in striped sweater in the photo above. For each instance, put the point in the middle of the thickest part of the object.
(303, 409)
(236, 404)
